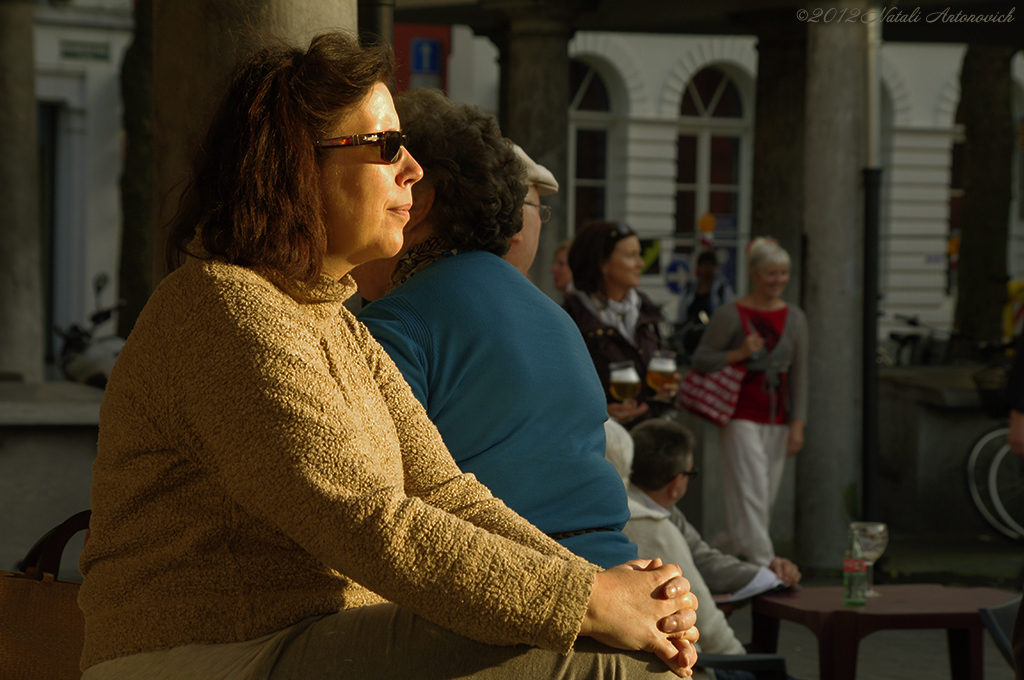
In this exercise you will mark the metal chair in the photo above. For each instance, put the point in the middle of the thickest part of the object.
(999, 621)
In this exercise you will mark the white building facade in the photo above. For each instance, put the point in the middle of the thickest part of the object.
(661, 136)
(665, 137)
(79, 48)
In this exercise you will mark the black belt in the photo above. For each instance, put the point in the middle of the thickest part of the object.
(569, 534)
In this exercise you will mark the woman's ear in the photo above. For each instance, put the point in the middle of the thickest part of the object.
(422, 202)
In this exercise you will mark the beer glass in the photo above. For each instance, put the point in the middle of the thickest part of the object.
(661, 369)
(624, 381)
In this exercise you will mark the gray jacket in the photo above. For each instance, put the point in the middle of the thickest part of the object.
(656, 534)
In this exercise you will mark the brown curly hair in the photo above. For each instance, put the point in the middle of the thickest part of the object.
(254, 192)
(478, 180)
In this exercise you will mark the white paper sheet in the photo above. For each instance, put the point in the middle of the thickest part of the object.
(764, 581)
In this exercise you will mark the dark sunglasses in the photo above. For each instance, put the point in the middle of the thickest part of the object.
(616, 234)
(390, 143)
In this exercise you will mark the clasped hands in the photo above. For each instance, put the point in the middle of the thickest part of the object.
(645, 605)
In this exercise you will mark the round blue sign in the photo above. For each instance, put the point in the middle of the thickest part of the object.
(677, 273)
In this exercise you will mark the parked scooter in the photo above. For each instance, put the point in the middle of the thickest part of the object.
(87, 359)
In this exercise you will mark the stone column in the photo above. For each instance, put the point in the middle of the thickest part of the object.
(195, 45)
(986, 90)
(535, 103)
(778, 178)
(834, 154)
(21, 278)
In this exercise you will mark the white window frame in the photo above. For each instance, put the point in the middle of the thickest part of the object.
(704, 127)
(604, 121)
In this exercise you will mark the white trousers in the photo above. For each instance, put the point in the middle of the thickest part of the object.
(753, 458)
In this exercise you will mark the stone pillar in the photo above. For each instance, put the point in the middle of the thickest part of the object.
(986, 90)
(834, 155)
(195, 45)
(778, 178)
(534, 103)
(21, 277)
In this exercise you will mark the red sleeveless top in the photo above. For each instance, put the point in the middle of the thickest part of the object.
(756, 397)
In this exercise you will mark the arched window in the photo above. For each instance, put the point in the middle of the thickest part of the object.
(712, 167)
(590, 115)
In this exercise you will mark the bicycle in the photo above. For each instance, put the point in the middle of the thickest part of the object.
(995, 477)
(919, 346)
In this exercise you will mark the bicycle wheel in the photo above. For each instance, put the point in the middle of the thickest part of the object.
(1006, 486)
(981, 479)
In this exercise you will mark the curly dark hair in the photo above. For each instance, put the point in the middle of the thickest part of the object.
(478, 180)
(590, 249)
(254, 191)
(660, 452)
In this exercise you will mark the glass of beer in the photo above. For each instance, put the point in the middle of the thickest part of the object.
(624, 381)
(661, 369)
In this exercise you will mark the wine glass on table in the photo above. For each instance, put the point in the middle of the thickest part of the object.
(624, 381)
(874, 537)
(661, 370)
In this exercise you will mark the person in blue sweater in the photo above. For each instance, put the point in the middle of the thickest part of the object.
(500, 368)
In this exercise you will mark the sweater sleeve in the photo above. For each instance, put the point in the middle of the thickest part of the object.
(723, 573)
(292, 423)
(724, 333)
(798, 369)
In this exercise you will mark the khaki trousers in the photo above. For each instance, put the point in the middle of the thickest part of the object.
(386, 642)
(380, 642)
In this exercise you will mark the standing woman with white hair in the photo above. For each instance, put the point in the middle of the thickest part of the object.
(768, 337)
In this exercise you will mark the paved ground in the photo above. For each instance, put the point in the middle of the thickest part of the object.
(911, 654)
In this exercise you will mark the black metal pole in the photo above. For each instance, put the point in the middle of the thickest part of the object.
(869, 398)
(377, 20)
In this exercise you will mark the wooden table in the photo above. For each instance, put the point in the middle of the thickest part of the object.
(839, 629)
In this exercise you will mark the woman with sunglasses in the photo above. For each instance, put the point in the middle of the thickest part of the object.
(618, 322)
(269, 499)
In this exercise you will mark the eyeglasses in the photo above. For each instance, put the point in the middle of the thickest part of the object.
(691, 473)
(390, 143)
(544, 210)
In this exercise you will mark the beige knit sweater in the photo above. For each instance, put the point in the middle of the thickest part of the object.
(261, 460)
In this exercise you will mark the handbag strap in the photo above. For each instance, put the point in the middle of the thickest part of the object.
(44, 556)
(743, 322)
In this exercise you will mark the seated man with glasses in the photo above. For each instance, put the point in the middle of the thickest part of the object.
(656, 457)
(499, 366)
(523, 246)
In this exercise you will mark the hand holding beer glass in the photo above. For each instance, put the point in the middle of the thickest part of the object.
(662, 376)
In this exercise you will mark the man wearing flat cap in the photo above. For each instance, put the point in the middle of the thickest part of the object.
(500, 368)
(523, 246)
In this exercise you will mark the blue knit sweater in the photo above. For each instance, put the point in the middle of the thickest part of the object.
(504, 374)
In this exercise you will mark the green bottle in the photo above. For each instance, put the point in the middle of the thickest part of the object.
(855, 573)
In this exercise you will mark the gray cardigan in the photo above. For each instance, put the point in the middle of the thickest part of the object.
(725, 333)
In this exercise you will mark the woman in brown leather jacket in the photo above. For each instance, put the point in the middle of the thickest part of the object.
(618, 322)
